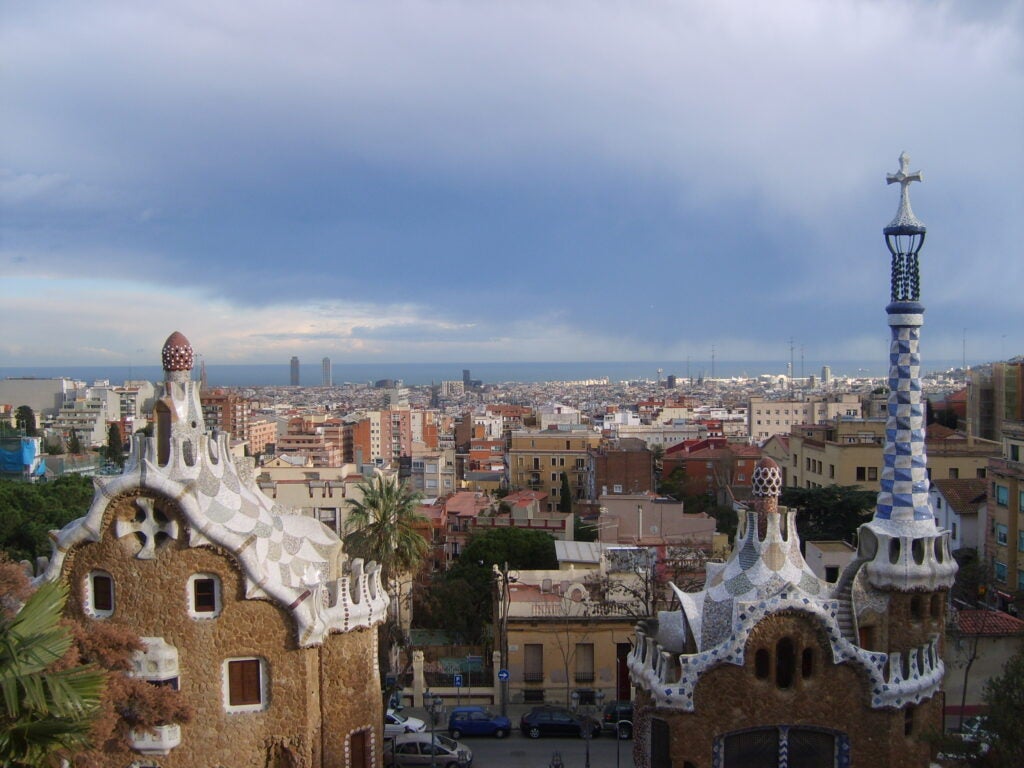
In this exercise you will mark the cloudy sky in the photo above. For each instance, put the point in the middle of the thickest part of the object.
(493, 180)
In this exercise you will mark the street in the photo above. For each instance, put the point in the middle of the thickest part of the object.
(518, 751)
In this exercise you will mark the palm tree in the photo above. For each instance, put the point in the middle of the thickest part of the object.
(48, 708)
(382, 527)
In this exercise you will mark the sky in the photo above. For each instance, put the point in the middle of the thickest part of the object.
(504, 180)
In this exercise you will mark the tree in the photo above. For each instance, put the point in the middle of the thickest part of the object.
(381, 526)
(48, 707)
(832, 513)
(104, 651)
(565, 495)
(74, 444)
(25, 418)
(1004, 696)
(29, 511)
(114, 449)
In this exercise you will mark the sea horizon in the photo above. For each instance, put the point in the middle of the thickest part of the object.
(422, 374)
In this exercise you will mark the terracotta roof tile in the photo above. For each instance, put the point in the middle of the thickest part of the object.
(982, 622)
(964, 495)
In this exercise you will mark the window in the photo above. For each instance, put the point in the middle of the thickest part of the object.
(1000, 572)
(1002, 534)
(832, 471)
(204, 596)
(1020, 541)
(244, 685)
(785, 662)
(954, 473)
(1002, 495)
(872, 473)
(584, 662)
(533, 663)
(762, 663)
(99, 595)
(862, 473)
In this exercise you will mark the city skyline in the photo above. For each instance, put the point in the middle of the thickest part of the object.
(497, 182)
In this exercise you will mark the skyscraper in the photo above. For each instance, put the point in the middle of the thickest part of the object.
(295, 371)
(326, 379)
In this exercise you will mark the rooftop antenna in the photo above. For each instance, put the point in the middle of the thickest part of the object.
(712, 362)
(791, 366)
(965, 350)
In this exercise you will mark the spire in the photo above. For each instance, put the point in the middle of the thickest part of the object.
(905, 547)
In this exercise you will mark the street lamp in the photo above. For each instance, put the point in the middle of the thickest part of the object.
(587, 721)
(435, 708)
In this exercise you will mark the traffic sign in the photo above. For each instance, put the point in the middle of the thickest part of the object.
(458, 681)
(503, 675)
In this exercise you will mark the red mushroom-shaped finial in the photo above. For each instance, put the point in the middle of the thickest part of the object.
(177, 354)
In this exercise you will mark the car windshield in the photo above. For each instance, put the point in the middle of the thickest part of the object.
(398, 718)
(444, 741)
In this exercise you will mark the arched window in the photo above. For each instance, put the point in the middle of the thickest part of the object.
(936, 605)
(807, 662)
(762, 663)
(915, 608)
(785, 662)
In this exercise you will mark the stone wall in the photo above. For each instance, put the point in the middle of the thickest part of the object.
(731, 698)
(299, 725)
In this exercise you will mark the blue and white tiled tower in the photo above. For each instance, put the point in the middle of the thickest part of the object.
(903, 545)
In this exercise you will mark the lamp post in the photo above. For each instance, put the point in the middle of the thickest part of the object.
(586, 720)
(435, 708)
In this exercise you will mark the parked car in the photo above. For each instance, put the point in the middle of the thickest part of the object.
(617, 717)
(556, 721)
(396, 723)
(415, 749)
(477, 721)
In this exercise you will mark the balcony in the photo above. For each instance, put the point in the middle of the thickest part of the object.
(163, 739)
(533, 677)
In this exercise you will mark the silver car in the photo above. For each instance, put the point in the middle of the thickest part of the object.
(416, 749)
(396, 723)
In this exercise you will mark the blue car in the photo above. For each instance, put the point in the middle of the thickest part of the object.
(477, 721)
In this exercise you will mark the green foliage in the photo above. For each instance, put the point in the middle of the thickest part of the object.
(28, 511)
(25, 418)
(1004, 696)
(47, 708)
(833, 513)
(565, 495)
(74, 444)
(726, 520)
(519, 547)
(461, 599)
(382, 527)
(114, 449)
(583, 530)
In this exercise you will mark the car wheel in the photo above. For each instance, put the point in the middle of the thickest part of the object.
(456, 734)
(625, 731)
(534, 732)
(500, 733)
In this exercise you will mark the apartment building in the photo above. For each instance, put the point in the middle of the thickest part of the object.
(771, 417)
(849, 452)
(995, 395)
(1005, 532)
(227, 411)
(537, 459)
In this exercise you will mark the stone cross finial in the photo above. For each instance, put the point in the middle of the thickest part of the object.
(152, 522)
(903, 177)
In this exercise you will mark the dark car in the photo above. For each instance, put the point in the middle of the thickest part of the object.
(556, 721)
(477, 721)
(617, 717)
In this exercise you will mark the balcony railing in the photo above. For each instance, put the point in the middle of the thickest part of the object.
(533, 677)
